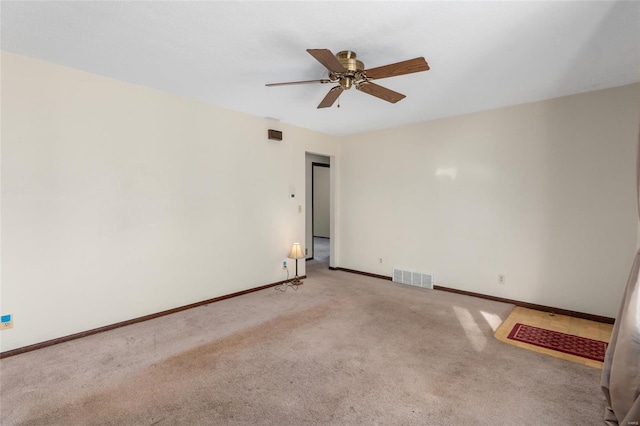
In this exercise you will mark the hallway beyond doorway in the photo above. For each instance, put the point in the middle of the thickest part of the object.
(321, 251)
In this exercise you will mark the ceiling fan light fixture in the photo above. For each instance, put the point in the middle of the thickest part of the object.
(346, 82)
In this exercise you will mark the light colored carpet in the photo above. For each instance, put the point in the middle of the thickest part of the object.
(321, 250)
(343, 349)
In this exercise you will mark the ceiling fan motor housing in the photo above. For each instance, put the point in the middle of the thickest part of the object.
(353, 66)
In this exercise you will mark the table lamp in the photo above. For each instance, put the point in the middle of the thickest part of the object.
(296, 253)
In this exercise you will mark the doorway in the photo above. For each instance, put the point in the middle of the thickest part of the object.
(320, 212)
(318, 218)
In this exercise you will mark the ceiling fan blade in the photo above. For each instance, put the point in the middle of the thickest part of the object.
(380, 92)
(399, 68)
(328, 59)
(291, 83)
(331, 97)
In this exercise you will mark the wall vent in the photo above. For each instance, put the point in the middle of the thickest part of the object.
(418, 279)
(274, 135)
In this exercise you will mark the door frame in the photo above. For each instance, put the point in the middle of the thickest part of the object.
(313, 174)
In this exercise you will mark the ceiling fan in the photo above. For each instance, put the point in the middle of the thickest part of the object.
(349, 72)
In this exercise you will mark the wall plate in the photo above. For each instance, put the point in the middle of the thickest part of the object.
(6, 322)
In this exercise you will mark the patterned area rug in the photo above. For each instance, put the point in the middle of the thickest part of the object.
(567, 343)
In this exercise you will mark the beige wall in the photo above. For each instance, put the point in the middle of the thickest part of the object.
(120, 201)
(543, 193)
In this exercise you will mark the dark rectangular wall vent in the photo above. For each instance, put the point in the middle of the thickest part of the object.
(275, 135)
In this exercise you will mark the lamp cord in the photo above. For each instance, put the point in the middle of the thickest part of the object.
(286, 284)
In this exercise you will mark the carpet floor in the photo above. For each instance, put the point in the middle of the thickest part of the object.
(344, 349)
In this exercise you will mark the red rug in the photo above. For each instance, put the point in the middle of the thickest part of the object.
(561, 342)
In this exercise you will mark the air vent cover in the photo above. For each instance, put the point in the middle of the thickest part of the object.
(275, 135)
(418, 279)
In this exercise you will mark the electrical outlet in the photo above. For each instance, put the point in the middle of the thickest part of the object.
(380, 260)
(6, 322)
(284, 264)
(501, 279)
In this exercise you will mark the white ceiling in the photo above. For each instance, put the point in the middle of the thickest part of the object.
(482, 55)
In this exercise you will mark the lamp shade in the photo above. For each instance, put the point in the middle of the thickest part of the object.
(296, 251)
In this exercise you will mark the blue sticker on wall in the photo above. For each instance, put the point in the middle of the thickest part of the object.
(5, 318)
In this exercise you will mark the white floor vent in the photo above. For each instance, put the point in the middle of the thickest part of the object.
(417, 279)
